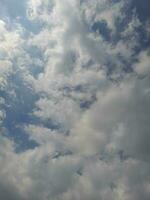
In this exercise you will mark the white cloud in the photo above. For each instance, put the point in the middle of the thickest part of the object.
(125, 106)
(142, 67)
(98, 152)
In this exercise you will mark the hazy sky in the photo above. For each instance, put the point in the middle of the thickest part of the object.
(74, 99)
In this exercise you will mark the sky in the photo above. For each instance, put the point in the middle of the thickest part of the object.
(74, 99)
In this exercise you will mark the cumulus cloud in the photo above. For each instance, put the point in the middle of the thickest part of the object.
(75, 98)
(143, 65)
(117, 121)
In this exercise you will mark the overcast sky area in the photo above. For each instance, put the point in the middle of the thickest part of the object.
(74, 99)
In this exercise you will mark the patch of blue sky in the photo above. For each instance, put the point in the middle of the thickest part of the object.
(15, 10)
(19, 110)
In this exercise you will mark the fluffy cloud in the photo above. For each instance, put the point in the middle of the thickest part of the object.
(117, 121)
(74, 79)
(143, 65)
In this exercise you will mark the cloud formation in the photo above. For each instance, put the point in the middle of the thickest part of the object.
(74, 100)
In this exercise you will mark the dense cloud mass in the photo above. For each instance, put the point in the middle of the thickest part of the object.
(74, 100)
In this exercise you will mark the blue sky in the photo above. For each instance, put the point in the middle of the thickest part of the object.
(74, 99)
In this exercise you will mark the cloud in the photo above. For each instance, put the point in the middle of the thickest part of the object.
(119, 117)
(142, 67)
(81, 97)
